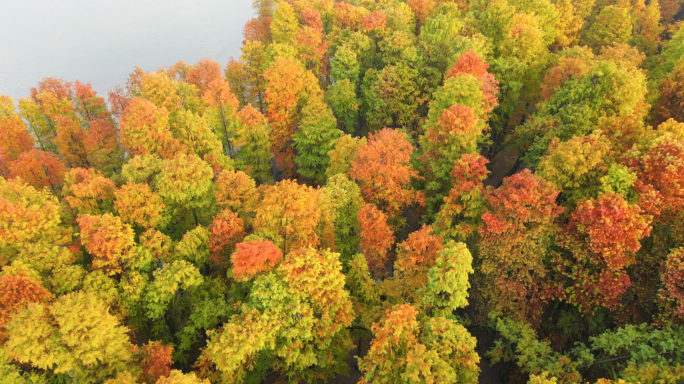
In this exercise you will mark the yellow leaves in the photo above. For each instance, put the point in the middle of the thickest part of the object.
(185, 180)
(30, 227)
(144, 129)
(75, 334)
(88, 191)
(138, 205)
(236, 191)
(167, 280)
(575, 163)
(240, 339)
(108, 240)
(178, 377)
(447, 286)
(289, 214)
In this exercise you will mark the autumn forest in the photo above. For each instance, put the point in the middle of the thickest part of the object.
(375, 191)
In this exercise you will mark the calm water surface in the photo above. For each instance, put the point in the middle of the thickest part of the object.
(100, 41)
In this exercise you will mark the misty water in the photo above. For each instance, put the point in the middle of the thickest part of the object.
(101, 41)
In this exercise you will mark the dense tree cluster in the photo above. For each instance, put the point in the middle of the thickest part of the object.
(368, 186)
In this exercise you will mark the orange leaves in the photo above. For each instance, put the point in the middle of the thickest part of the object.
(376, 20)
(39, 169)
(611, 227)
(16, 291)
(470, 63)
(287, 83)
(384, 172)
(14, 138)
(563, 72)
(417, 254)
(289, 214)
(138, 205)
(469, 172)
(226, 230)
(144, 129)
(203, 74)
(70, 142)
(462, 207)
(516, 231)
(219, 94)
(156, 361)
(108, 240)
(254, 257)
(455, 120)
(660, 178)
(422, 9)
(376, 238)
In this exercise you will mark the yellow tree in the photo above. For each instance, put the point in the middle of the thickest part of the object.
(75, 335)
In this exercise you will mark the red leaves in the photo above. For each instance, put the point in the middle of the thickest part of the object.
(611, 228)
(254, 257)
(376, 238)
(523, 200)
(226, 230)
(156, 361)
(384, 171)
(603, 234)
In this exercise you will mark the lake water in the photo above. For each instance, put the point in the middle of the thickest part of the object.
(100, 41)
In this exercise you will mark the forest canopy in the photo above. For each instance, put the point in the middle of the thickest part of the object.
(375, 191)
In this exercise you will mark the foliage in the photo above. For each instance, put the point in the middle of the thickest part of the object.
(74, 335)
(516, 230)
(367, 175)
(402, 351)
(376, 238)
(384, 172)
